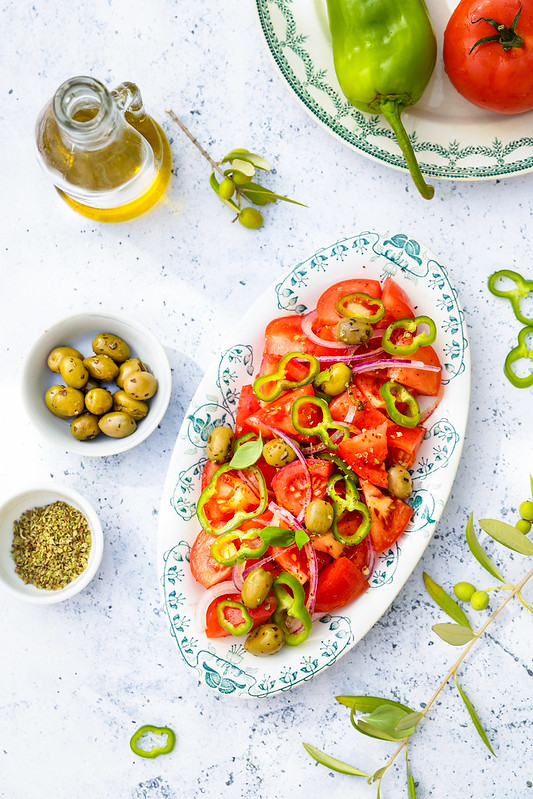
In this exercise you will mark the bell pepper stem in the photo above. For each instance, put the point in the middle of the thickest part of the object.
(392, 111)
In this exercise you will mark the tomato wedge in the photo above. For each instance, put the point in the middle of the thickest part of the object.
(259, 615)
(397, 303)
(390, 516)
(290, 483)
(248, 404)
(278, 414)
(339, 583)
(327, 303)
(418, 380)
(204, 568)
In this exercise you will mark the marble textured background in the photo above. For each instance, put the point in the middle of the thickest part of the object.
(77, 679)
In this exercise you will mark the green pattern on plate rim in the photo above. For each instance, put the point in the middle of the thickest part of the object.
(223, 665)
(311, 77)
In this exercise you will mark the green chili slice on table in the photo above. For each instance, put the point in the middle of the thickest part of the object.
(278, 380)
(523, 288)
(224, 548)
(291, 603)
(235, 629)
(408, 343)
(395, 393)
(521, 352)
(349, 502)
(359, 306)
(240, 516)
(156, 750)
(321, 428)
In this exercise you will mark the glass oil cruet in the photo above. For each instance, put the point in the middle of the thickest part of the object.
(107, 158)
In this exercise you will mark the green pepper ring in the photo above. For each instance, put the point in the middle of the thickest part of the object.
(393, 392)
(279, 377)
(360, 295)
(241, 629)
(411, 326)
(292, 605)
(156, 750)
(240, 516)
(518, 353)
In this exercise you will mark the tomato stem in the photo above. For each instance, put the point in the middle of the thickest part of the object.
(506, 36)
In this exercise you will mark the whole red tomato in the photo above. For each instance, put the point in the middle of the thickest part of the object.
(488, 53)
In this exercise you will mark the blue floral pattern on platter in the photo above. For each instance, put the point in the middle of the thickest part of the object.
(222, 664)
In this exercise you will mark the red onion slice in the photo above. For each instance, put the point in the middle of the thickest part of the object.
(220, 589)
(390, 363)
(313, 576)
(307, 328)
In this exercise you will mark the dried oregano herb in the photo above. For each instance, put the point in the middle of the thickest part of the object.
(51, 545)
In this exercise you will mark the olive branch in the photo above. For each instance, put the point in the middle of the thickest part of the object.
(387, 720)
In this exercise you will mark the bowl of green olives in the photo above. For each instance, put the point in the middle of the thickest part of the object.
(96, 384)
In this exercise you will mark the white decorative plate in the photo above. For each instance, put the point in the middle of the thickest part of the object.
(452, 138)
(222, 663)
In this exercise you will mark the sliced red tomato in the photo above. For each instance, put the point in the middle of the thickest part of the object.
(327, 303)
(369, 446)
(339, 583)
(208, 472)
(290, 483)
(204, 568)
(278, 414)
(418, 380)
(248, 404)
(403, 444)
(328, 544)
(397, 303)
(369, 384)
(234, 616)
(358, 554)
(232, 494)
(293, 561)
(285, 334)
(362, 413)
(390, 516)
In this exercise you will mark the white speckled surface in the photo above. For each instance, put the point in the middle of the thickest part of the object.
(76, 679)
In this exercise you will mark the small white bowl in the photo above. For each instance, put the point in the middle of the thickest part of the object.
(37, 497)
(78, 332)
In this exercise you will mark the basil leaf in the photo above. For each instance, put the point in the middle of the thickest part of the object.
(474, 716)
(445, 601)
(479, 553)
(300, 538)
(333, 763)
(454, 634)
(247, 454)
(277, 536)
(507, 535)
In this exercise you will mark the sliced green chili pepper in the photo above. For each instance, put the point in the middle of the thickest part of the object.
(240, 516)
(279, 381)
(384, 53)
(291, 603)
(320, 429)
(157, 750)
(393, 393)
(360, 300)
(410, 343)
(341, 464)
(240, 629)
(224, 550)
(523, 289)
(349, 502)
(518, 353)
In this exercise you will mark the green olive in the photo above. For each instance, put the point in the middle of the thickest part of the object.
(339, 378)
(111, 345)
(73, 371)
(277, 453)
(98, 401)
(479, 600)
(318, 516)
(102, 367)
(250, 218)
(525, 510)
(240, 179)
(117, 424)
(256, 587)
(65, 401)
(140, 385)
(85, 427)
(353, 331)
(123, 402)
(464, 591)
(57, 355)
(90, 384)
(399, 481)
(523, 526)
(267, 639)
(220, 444)
(226, 188)
(128, 368)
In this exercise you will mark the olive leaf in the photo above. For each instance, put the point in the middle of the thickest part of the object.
(245, 167)
(247, 454)
(445, 601)
(377, 774)
(454, 634)
(411, 787)
(479, 553)
(507, 535)
(332, 762)
(372, 732)
(366, 704)
(245, 155)
(216, 188)
(255, 192)
(474, 716)
(409, 721)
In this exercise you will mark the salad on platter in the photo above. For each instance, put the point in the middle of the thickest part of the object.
(312, 481)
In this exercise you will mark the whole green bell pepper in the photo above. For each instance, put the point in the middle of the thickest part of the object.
(384, 53)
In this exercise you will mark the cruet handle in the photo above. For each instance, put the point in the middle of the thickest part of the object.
(127, 97)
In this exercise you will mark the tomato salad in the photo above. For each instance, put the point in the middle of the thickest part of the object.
(314, 480)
